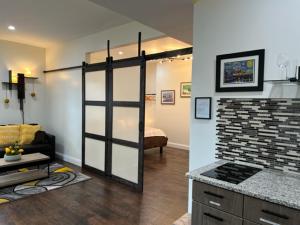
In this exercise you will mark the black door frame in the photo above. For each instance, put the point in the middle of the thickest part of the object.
(92, 68)
(130, 62)
(108, 66)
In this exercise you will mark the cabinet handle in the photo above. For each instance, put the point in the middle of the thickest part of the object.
(141, 126)
(214, 203)
(268, 221)
(213, 194)
(275, 214)
(213, 217)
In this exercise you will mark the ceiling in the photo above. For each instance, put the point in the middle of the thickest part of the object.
(47, 22)
(151, 47)
(172, 17)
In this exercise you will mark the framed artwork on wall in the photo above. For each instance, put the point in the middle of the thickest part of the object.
(168, 97)
(185, 89)
(243, 71)
(203, 108)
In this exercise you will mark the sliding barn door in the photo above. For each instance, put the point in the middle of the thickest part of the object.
(94, 124)
(113, 119)
(128, 112)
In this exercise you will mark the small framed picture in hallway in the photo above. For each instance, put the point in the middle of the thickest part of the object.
(185, 89)
(203, 108)
(168, 97)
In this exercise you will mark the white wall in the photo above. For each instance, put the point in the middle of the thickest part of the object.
(232, 26)
(64, 88)
(19, 58)
(150, 89)
(173, 119)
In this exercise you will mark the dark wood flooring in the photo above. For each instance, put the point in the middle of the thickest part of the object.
(100, 201)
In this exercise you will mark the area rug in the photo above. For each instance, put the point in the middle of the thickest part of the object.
(60, 176)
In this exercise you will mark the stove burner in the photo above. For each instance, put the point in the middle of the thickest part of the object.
(232, 173)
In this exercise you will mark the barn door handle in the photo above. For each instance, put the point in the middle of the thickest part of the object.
(141, 126)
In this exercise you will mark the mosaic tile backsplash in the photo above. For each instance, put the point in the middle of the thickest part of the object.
(260, 131)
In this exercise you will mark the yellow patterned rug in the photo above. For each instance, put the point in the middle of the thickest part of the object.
(60, 176)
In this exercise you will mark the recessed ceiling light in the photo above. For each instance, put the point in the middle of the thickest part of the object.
(120, 53)
(10, 27)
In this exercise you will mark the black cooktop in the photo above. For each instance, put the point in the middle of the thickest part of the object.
(232, 173)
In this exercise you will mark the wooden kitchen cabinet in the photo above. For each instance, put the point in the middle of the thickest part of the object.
(218, 198)
(263, 212)
(206, 215)
(216, 206)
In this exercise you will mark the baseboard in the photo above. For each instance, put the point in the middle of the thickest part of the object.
(180, 146)
(68, 158)
(77, 161)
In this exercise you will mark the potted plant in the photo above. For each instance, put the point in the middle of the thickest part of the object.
(13, 153)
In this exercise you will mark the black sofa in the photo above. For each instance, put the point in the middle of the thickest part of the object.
(45, 146)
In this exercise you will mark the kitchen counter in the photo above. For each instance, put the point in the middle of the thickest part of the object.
(270, 185)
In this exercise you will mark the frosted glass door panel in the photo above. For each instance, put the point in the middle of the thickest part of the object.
(95, 120)
(95, 153)
(95, 86)
(127, 84)
(126, 123)
(125, 162)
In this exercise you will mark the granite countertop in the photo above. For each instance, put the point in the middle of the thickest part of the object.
(270, 185)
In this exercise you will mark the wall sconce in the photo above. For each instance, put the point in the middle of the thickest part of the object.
(18, 80)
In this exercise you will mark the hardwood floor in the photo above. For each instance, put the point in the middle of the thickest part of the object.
(100, 201)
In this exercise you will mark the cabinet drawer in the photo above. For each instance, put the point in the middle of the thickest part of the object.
(218, 198)
(267, 213)
(204, 215)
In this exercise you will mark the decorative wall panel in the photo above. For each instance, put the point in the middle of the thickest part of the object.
(260, 131)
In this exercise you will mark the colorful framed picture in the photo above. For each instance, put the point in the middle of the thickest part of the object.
(243, 71)
(168, 97)
(185, 89)
(203, 108)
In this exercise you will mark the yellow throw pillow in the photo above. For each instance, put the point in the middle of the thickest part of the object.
(9, 134)
(27, 133)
